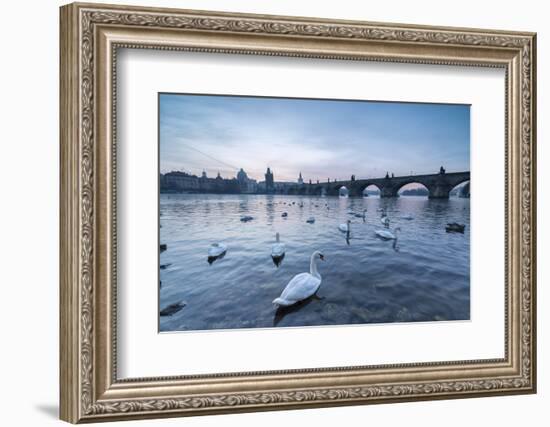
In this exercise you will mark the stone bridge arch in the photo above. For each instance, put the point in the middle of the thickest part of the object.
(464, 181)
(423, 183)
(317, 190)
(332, 189)
(457, 182)
(364, 185)
(439, 185)
(442, 184)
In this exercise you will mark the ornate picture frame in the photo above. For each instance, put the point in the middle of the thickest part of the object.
(90, 37)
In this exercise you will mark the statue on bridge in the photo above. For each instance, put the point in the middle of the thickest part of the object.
(441, 170)
(387, 175)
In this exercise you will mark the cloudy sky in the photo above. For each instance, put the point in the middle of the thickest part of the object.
(320, 138)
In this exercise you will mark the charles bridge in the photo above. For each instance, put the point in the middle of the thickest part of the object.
(439, 185)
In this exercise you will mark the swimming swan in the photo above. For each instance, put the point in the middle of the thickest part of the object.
(455, 227)
(278, 248)
(387, 234)
(344, 228)
(302, 285)
(385, 220)
(217, 249)
(363, 215)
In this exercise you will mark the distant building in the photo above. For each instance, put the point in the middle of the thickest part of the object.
(242, 176)
(271, 186)
(182, 182)
(246, 184)
(269, 181)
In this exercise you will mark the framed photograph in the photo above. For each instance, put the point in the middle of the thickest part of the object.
(266, 212)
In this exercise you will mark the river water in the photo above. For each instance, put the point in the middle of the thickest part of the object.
(425, 276)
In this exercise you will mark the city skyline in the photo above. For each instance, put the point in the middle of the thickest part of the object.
(320, 138)
(305, 180)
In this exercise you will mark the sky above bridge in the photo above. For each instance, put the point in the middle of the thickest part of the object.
(320, 138)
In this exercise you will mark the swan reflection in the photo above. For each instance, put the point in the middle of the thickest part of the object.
(283, 311)
(277, 260)
(211, 259)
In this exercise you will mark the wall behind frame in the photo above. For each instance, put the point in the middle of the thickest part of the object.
(29, 182)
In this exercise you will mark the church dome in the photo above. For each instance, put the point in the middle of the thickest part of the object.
(241, 175)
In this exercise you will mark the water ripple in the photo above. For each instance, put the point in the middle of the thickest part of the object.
(425, 277)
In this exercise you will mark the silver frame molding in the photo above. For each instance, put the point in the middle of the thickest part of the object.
(90, 37)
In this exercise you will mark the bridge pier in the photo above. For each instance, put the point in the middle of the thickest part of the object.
(355, 191)
(439, 192)
(440, 187)
(388, 191)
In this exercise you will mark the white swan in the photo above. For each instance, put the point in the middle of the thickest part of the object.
(385, 220)
(217, 249)
(302, 285)
(344, 228)
(363, 215)
(408, 217)
(387, 234)
(278, 248)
